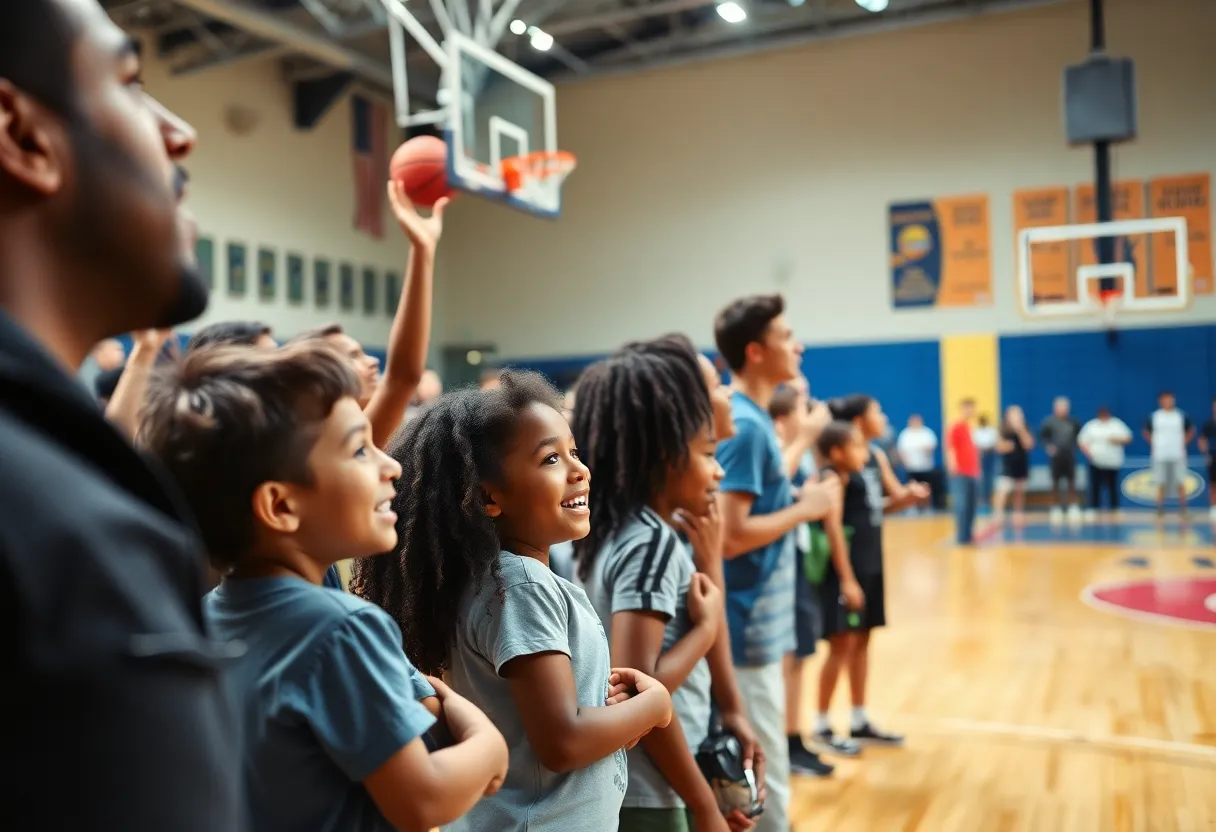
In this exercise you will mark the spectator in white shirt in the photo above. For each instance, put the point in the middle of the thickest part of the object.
(984, 435)
(917, 446)
(1102, 441)
(1168, 432)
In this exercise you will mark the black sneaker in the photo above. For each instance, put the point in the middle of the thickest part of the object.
(871, 735)
(808, 764)
(829, 743)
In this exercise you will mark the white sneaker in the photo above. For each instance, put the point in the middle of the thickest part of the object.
(1074, 514)
(1057, 515)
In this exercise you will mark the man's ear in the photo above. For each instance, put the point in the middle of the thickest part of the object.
(28, 150)
(275, 507)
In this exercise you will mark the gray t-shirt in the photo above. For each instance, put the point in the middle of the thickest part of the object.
(1061, 433)
(536, 612)
(647, 567)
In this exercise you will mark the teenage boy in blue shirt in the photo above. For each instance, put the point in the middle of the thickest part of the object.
(760, 510)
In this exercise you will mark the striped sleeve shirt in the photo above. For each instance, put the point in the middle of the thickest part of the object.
(646, 567)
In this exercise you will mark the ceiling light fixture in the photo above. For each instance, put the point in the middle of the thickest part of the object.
(518, 27)
(874, 6)
(731, 12)
(541, 41)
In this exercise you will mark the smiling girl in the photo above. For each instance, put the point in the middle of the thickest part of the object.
(490, 480)
(646, 423)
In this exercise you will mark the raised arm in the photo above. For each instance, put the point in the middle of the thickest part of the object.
(128, 400)
(410, 336)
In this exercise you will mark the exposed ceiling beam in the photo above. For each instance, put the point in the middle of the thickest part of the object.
(622, 16)
(261, 51)
(274, 28)
(715, 41)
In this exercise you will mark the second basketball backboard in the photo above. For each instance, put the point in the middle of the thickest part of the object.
(1059, 270)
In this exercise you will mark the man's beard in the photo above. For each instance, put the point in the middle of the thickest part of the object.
(105, 231)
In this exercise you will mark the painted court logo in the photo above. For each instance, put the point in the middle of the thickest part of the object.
(1182, 601)
(1141, 487)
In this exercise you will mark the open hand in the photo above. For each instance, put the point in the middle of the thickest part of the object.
(424, 232)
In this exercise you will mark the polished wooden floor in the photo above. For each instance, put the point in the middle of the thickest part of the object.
(1026, 708)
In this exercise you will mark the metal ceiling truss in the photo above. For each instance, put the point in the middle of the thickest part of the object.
(321, 38)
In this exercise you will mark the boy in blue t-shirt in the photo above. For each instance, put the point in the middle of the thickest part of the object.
(278, 464)
(759, 513)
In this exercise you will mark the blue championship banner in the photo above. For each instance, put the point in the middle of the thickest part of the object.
(940, 253)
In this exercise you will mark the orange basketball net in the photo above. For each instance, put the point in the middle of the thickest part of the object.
(519, 173)
(1110, 300)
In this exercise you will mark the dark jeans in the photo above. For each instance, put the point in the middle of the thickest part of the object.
(963, 494)
(1101, 479)
(988, 463)
(937, 486)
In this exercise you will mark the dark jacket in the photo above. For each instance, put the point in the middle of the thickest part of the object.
(110, 692)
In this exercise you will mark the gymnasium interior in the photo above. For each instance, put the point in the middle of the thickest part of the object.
(889, 168)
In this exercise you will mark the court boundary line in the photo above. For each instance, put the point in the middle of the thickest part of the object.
(1093, 602)
(1171, 749)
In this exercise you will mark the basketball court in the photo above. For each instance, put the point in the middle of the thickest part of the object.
(1061, 680)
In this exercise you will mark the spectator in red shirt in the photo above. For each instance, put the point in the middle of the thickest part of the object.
(963, 465)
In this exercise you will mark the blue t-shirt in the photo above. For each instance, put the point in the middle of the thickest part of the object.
(333, 578)
(759, 584)
(326, 697)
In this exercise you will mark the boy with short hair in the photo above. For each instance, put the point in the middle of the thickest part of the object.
(759, 513)
(276, 459)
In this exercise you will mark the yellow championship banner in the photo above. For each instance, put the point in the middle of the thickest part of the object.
(1051, 268)
(941, 253)
(1189, 197)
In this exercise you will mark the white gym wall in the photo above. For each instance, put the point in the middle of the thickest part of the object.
(279, 187)
(773, 172)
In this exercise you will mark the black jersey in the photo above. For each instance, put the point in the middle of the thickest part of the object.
(862, 515)
(1015, 463)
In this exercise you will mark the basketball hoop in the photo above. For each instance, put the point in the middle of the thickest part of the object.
(1111, 300)
(537, 171)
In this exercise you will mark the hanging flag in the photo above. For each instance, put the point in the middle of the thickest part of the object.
(369, 149)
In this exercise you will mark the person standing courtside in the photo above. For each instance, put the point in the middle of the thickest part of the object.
(917, 447)
(759, 513)
(1169, 431)
(1207, 447)
(963, 467)
(1059, 433)
(1102, 440)
(115, 716)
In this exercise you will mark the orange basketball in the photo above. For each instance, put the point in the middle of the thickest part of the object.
(421, 166)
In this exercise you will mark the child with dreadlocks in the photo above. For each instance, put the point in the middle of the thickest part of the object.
(277, 462)
(491, 479)
(645, 422)
(852, 590)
